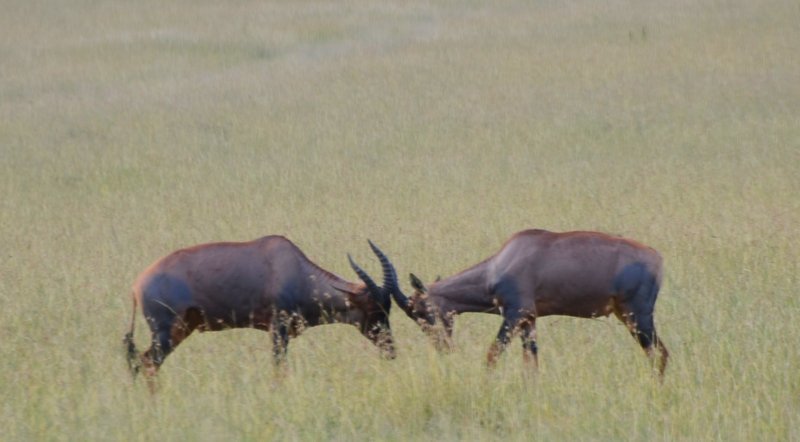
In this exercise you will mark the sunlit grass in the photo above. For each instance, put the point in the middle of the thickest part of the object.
(128, 130)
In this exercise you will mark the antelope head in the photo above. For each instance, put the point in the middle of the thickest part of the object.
(373, 302)
(423, 310)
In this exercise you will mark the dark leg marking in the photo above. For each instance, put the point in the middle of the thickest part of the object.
(528, 334)
(280, 342)
(501, 342)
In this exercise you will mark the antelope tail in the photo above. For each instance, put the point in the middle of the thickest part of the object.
(134, 360)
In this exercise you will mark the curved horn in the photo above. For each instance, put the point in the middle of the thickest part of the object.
(362, 275)
(390, 283)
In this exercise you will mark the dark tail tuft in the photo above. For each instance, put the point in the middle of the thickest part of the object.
(134, 362)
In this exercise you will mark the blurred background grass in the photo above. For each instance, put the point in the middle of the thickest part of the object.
(130, 129)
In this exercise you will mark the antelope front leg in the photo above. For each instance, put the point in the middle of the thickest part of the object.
(280, 342)
(500, 343)
(529, 349)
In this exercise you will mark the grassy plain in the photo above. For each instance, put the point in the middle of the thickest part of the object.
(130, 129)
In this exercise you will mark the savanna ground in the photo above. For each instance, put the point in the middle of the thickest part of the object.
(437, 129)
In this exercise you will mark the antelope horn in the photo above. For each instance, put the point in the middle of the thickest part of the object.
(362, 275)
(390, 283)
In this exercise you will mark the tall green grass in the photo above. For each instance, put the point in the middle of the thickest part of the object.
(131, 129)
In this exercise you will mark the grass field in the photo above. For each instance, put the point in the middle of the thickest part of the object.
(437, 129)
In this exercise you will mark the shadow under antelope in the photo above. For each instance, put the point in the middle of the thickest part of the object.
(267, 284)
(539, 273)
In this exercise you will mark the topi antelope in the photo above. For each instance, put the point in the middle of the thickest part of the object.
(539, 273)
(267, 284)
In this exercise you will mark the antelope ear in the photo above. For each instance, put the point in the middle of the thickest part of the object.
(417, 283)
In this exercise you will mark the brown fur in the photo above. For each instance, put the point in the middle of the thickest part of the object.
(212, 287)
(539, 273)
